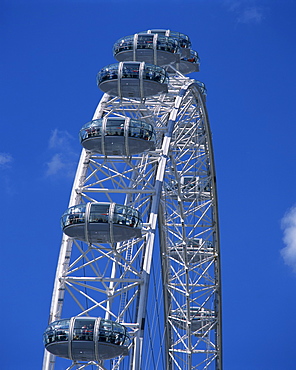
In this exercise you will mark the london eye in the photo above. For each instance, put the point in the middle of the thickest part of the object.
(138, 284)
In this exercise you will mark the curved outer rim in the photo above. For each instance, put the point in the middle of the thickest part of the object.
(200, 97)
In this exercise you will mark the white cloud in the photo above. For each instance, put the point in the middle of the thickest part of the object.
(64, 158)
(250, 15)
(246, 11)
(6, 184)
(289, 229)
(5, 158)
(55, 165)
(233, 4)
(60, 139)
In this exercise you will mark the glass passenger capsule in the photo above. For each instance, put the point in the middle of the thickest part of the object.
(150, 48)
(132, 79)
(197, 251)
(101, 222)
(201, 320)
(86, 339)
(117, 136)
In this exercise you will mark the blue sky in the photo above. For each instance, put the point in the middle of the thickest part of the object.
(50, 54)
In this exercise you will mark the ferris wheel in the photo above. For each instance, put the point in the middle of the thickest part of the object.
(138, 285)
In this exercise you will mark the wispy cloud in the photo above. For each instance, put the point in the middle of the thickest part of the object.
(55, 164)
(289, 229)
(60, 139)
(232, 5)
(250, 15)
(5, 159)
(6, 184)
(246, 11)
(64, 158)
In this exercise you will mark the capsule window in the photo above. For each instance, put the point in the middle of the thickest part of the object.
(105, 331)
(74, 215)
(140, 130)
(126, 216)
(167, 44)
(145, 42)
(135, 132)
(57, 331)
(119, 216)
(62, 331)
(83, 329)
(93, 130)
(99, 213)
(108, 73)
(124, 44)
(130, 70)
(154, 73)
(114, 128)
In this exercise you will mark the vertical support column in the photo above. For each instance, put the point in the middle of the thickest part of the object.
(64, 259)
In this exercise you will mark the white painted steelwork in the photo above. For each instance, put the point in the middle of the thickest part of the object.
(111, 280)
